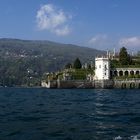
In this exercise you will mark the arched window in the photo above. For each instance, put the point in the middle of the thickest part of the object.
(132, 85)
(137, 72)
(120, 73)
(126, 73)
(123, 85)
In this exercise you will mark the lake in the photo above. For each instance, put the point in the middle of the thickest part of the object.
(69, 114)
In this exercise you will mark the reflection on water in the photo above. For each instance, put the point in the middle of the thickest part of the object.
(54, 114)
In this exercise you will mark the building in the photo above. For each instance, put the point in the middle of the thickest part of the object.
(102, 68)
(105, 77)
(125, 71)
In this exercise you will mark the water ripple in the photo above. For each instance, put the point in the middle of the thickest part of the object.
(92, 114)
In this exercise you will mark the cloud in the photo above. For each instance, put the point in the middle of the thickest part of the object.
(97, 39)
(100, 41)
(53, 19)
(130, 41)
(62, 31)
(105, 42)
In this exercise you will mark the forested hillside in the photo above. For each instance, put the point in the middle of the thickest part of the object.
(23, 62)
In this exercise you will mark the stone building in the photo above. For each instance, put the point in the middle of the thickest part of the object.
(102, 68)
(125, 71)
(104, 72)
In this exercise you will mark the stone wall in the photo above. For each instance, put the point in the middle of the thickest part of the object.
(103, 84)
(74, 84)
(133, 83)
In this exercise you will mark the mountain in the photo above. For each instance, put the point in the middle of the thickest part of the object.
(56, 55)
(33, 57)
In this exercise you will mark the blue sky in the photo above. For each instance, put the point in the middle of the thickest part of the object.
(100, 24)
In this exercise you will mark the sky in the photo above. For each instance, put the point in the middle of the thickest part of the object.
(99, 24)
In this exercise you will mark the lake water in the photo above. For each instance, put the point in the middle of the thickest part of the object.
(69, 114)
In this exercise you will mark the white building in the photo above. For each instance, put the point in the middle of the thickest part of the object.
(102, 68)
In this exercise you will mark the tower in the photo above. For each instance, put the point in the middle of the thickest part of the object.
(102, 68)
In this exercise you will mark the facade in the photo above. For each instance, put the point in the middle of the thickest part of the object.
(125, 71)
(102, 68)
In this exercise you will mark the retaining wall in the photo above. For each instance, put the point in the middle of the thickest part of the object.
(133, 83)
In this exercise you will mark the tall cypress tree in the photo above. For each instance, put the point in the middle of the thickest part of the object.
(77, 64)
(124, 57)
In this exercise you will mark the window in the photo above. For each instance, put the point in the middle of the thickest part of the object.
(99, 66)
(105, 68)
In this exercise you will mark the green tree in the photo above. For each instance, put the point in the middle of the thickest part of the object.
(77, 64)
(124, 57)
(130, 62)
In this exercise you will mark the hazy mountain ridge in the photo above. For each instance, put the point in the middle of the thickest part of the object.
(23, 62)
(51, 51)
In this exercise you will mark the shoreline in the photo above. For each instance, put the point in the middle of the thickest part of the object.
(85, 84)
(96, 84)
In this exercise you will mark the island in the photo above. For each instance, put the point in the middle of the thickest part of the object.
(108, 71)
